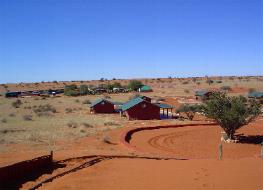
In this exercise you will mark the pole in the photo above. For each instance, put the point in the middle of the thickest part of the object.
(220, 151)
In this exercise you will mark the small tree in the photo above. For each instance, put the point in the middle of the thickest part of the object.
(135, 85)
(189, 110)
(71, 90)
(83, 89)
(231, 113)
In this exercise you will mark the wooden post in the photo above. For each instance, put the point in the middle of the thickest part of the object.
(220, 151)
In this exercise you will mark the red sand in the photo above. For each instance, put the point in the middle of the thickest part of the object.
(141, 174)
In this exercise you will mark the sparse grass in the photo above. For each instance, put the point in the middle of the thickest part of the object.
(12, 115)
(225, 88)
(87, 125)
(72, 124)
(45, 110)
(68, 110)
(28, 117)
(86, 102)
(106, 139)
(17, 103)
(186, 91)
(110, 123)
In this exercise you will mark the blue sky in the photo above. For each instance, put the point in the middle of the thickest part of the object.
(90, 39)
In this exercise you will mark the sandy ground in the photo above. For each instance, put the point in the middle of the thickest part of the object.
(130, 174)
(241, 167)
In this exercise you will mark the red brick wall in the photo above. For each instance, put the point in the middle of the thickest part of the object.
(143, 113)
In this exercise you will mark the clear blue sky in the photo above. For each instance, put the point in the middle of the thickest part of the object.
(46, 40)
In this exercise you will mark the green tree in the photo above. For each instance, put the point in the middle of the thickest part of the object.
(231, 113)
(83, 89)
(135, 85)
(189, 110)
(71, 90)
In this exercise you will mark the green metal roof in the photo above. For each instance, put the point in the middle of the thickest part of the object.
(164, 106)
(131, 103)
(99, 101)
(255, 95)
(201, 92)
(145, 88)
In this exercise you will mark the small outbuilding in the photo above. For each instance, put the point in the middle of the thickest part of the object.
(203, 94)
(140, 109)
(102, 106)
(145, 88)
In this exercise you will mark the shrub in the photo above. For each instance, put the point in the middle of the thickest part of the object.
(68, 110)
(107, 140)
(187, 91)
(72, 124)
(12, 115)
(4, 120)
(250, 90)
(106, 97)
(185, 82)
(135, 85)
(27, 117)
(83, 89)
(226, 88)
(45, 110)
(189, 110)
(77, 100)
(71, 90)
(87, 125)
(209, 81)
(86, 102)
(218, 81)
(17, 103)
(231, 113)
(110, 123)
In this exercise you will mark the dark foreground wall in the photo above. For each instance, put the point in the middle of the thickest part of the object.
(22, 171)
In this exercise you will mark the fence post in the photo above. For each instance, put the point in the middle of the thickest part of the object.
(220, 151)
(51, 155)
(261, 154)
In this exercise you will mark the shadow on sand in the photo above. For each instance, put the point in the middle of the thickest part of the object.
(250, 139)
(17, 184)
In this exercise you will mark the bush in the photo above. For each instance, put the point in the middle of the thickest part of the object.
(187, 91)
(4, 120)
(71, 90)
(86, 102)
(135, 85)
(45, 110)
(17, 103)
(189, 110)
(185, 82)
(27, 117)
(226, 88)
(87, 125)
(110, 123)
(12, 115)
(72, 124)
(77, 100)
(68, 110)
(218, 81)
(231, 113)
(84, 89)
(209, 81)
